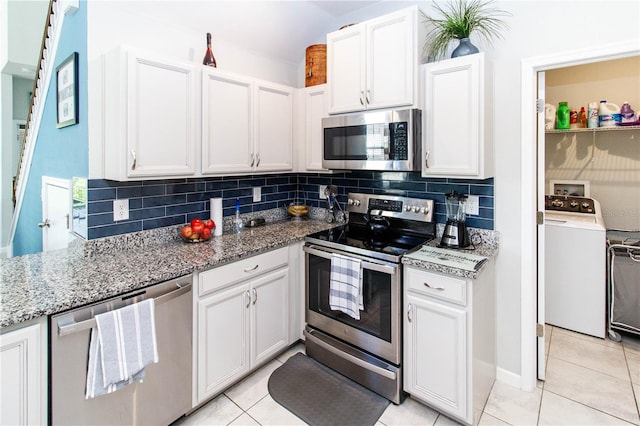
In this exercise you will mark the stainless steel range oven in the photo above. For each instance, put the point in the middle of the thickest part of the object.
(381, 229)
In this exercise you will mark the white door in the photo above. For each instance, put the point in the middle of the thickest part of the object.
(273, 112)
(540, 166)
(56, 213)
(270, 318)
(346, 64)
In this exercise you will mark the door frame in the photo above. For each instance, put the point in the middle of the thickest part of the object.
(528, 201)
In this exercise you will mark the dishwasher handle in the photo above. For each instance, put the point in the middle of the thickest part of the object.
(65, 330)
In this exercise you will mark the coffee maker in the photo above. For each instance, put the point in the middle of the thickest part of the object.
(455, 233)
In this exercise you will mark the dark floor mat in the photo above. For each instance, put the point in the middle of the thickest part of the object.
(321, 396)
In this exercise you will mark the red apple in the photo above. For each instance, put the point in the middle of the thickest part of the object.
(186, 231)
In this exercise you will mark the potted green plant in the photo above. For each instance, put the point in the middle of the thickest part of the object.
(459, 19)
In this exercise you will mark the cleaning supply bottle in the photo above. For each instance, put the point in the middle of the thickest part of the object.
(573, 119)
(563, 116)
(608, 114)
(627, 115)
(582, 119)
(592, 115)
(237, 222)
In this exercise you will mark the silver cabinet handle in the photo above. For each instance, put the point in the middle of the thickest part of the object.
(258, 160)
(253, 160)
(434, 288)
(361, 98)
(252, 269)
(133, 155)
(426, 159)
(367, 96)
(409, 312)
(255, 296)
(45, 224)
(248, 295)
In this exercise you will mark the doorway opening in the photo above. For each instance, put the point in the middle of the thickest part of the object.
(532, 201)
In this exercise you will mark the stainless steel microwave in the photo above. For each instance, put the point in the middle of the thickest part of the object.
(388, 140)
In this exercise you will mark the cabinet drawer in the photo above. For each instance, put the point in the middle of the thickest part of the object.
(436, 285)
(224, 276)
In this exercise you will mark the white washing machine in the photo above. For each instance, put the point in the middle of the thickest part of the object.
(575, 264)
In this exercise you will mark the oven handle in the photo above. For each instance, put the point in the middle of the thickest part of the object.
(355, 360)
(385, 268)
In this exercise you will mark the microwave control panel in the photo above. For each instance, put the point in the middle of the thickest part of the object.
(399, 141)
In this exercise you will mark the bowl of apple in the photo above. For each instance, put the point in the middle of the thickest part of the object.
(197, 231)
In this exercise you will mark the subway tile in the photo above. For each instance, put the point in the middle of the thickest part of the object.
(100, 219)
(101, 194)
(164, 200)
(94, 207)
(275, 180)
(242, 183)
(164, 181)
(235, 193)
(104, 183)
(111, 230)
(162, 222)
(203, 196)
(185, 208)
(152, 190)
(182, 188)
(129, 192)
(141, 214)
(486, 190)
(221, 185)
(195, 215)
(446, 188)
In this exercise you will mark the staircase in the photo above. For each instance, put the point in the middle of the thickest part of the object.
(37, 101)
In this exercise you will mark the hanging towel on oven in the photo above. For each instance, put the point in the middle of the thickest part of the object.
(122, 343)
(345, 285)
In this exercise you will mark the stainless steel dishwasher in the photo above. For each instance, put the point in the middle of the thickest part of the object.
(165, 393)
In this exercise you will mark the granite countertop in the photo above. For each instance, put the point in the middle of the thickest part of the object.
(48, 283)
(485, 244)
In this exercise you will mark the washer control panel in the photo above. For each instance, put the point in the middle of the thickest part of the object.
(565, 203)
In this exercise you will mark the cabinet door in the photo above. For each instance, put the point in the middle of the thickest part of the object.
(223, 339)
(435, 354)
(161, 118)
(227, 123)
(315, 108)
(453, 112)
(21, 402)
(270, 315)
(273, 146)
(346, 72)
(392, 63)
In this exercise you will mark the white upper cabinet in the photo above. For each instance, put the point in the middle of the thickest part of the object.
(150, 116)
(247, 124)
(227, 123)
(374, 64)
(273, 112)
(457, 119)
(311, 108)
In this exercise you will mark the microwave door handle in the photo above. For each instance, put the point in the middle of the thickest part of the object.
(385, 269)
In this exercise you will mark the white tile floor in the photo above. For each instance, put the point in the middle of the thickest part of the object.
(589, 381)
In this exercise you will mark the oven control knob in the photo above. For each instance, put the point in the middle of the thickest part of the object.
(585, 205)
(574, 204)
(557, 203)
(407, 208)
(356, 203)
(424, 210)
(416, 209)
(350, 201)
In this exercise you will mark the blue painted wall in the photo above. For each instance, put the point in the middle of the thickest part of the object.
(158, 203)
(61, 153)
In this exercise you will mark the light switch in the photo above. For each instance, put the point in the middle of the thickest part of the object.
(257, 194)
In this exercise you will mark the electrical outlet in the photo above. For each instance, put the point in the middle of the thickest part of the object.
(257, 194)
(120, 210)
(473, 205)
(321, 191)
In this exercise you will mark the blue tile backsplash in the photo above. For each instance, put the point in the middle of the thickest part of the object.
(159, 203)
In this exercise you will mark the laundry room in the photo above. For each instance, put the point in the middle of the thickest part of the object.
(607, 157)
(592, 152)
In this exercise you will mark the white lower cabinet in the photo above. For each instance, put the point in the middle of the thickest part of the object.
(242, 319)
(449, 341)
(23, 374)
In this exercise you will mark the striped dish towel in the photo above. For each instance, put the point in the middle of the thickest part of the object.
(123, 342)
(345, 285)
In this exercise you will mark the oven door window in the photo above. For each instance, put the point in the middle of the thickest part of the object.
(364, 142)
(375, 319)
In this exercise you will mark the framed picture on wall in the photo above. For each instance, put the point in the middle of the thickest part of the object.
(67, 91)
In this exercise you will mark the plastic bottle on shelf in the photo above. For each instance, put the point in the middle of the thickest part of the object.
(592, 115)
(563, 119)
(608, 114)
(582, 119)
(627, 115)
(573, 119)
